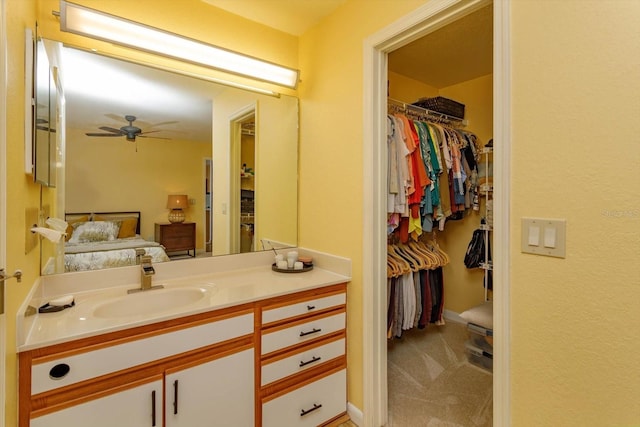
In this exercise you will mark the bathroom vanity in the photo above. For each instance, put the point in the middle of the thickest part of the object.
(238, 347)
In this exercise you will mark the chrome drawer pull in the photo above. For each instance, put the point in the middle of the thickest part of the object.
(314, 359)
(311, 307)
(308, 411)
(313, 331)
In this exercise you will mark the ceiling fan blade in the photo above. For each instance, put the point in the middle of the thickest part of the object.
(101, 134)
(155, 137)
(115, 117)
(172, 122)
(110, 129)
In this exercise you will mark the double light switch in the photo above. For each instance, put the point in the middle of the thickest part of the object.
(542, 236)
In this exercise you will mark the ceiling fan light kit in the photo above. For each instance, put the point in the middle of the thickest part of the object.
(102, 26)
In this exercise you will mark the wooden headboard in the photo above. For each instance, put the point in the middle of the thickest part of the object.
(71, 216)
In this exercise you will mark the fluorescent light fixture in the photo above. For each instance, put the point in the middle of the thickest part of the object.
(102, 26)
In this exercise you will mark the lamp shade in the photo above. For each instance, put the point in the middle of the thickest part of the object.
(179, 201)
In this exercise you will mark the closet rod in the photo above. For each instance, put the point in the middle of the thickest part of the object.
(420, 110)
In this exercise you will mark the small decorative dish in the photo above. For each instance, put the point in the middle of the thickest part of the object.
(291, 270)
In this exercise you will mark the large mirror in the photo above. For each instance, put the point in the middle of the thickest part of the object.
(137, 138)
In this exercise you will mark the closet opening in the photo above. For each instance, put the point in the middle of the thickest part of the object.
(486, 99)
(439, 225)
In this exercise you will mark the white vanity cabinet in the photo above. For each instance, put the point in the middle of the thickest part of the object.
(217, 392)
(278, 361)
(140, 405)
(303, 359)
(204, 364)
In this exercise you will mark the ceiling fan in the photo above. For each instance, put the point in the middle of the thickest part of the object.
(130, 131)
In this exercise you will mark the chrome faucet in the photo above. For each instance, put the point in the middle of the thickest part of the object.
(146, 275)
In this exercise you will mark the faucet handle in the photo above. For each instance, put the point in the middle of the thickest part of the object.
(147, 268)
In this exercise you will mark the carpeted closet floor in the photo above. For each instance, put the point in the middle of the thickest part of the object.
(431, 383)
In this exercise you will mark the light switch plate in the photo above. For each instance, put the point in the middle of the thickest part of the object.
(537, 236)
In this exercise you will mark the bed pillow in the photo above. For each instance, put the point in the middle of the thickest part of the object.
(128, 225)
(480, 315)
(95, 231)
(128, 228)
(71, 227)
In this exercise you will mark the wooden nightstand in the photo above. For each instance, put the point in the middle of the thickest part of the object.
(177, 237)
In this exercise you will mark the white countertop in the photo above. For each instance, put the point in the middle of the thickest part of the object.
(222, 283)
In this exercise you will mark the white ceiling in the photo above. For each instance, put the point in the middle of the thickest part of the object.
(100, 91)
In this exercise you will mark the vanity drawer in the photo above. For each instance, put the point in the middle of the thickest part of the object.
(310, 405)
(77, 367)
(302, 361)
(283, 338)
(310, 306)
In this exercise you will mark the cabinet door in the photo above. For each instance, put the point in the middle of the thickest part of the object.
(219, 392)
(138, 406)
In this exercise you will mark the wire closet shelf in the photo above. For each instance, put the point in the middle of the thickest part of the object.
(419, 113)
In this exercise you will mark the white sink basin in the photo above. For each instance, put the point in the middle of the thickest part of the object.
(150, 302)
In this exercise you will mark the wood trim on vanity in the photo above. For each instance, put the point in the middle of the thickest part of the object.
(257, 369)
(96, 342)
(293, 382)
(60, 398)
(284, 353)
(92, 392)
(302, 319)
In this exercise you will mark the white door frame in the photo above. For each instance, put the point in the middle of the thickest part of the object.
(428, 18)
(235, 125)
(3, 196)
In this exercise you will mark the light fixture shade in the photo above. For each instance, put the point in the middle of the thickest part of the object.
(177, 201)
(103, 26)
(177, 204)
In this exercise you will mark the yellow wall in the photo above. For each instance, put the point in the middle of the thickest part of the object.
(575, 321)
(575, 153)
(463, 287)
(276, 213)
(408, 90)
(575, 156)
(21, 192)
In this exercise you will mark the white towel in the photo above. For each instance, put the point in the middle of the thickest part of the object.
(52, 235)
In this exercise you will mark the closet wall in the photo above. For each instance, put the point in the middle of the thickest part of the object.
(463, 287)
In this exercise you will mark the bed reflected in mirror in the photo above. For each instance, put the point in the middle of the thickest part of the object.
(134, 135)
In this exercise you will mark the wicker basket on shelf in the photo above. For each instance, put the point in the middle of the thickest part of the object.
(442, 105)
